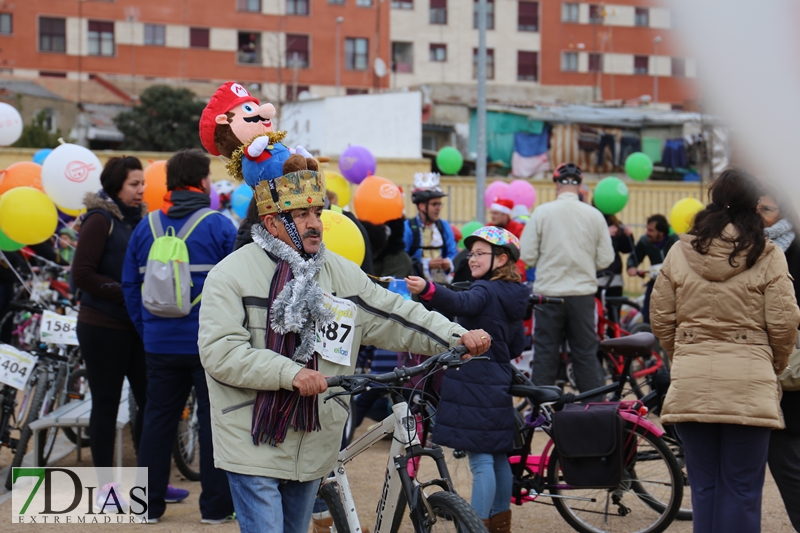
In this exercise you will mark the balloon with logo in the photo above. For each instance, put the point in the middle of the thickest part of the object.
(155, 184)
(342, 236)
(356, 163)
(496, 189)
(521, 192)
(10, 124)
(468, 229)
(639, 166)
(7, 245)
(449, 160)
(240, 200)
(41, 155)
(336, 183)
(610, 195)
(683, 212)
(378, 200)
(69, 173)
(22, 174)
(27, 215)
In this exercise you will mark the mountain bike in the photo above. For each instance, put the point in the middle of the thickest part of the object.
(433, 505)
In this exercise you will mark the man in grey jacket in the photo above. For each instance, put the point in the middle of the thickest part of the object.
(278, 316)
(568, 242)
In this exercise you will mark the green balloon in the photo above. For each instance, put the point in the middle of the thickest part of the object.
(449, 160)
(7, 245)
(639, 166)
(468, 229)
(610, 195)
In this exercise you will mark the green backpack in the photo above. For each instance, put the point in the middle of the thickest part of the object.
(166, 290)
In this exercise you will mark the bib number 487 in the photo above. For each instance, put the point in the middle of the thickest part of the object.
(333, 330)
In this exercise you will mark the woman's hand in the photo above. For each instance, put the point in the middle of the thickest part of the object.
(415, 284)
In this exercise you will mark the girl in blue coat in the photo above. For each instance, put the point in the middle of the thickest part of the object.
(475, 410)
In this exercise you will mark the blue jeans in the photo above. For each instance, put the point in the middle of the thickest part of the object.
(270, 505)
(491, 483)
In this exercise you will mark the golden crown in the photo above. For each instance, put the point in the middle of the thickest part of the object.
(296, 190)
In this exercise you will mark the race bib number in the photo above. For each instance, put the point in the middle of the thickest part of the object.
(16, 367)
(58, 329)
(334, 341)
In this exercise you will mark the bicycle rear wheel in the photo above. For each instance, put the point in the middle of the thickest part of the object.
(186, 449)
(77, 388)
(51, 403)
(450, 514)
(651, 475)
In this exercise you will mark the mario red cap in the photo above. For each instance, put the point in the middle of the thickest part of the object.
(226, 98)
(502, 205)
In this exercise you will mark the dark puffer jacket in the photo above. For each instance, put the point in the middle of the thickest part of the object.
(475, 410)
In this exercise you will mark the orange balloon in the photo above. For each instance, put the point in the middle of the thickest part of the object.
(378, 200)
(22, 174)
(155, 184)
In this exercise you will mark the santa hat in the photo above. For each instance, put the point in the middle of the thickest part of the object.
(502, 205)
(226, 98)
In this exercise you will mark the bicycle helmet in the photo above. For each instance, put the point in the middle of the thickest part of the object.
(496, 237)
(568, 174)
(426, 187)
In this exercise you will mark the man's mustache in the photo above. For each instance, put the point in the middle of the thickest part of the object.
(312, 233)
(256, 118)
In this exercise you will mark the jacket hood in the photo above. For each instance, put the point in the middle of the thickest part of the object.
(515, 298)
(93, 200)
(715, 265)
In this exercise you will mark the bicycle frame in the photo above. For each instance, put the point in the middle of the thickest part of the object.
(402, 426)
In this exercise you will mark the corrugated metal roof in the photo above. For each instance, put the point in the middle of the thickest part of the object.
(621, 117)
(28, 88)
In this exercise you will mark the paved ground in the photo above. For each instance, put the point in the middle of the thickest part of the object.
(366, 477)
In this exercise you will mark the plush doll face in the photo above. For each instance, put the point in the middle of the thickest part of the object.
(248, 120)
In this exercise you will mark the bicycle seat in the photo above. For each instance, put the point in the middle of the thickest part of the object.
(537, 395)
(636, 345)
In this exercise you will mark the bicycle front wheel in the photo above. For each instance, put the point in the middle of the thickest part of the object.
(39, 390)
(186, 448)
(651, 475)
(330, 496)
(451, 514)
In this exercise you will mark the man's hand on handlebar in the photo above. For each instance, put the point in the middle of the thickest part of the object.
(309, 382)
(476, 341)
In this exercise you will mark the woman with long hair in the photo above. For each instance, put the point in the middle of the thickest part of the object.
(724, 309)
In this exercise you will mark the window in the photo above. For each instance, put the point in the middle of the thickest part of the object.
(297, 51)
(352, 90)
(528, 16)
(527, 66)
(356, 51)
(101, 38)
(154, 34)
(569, 12)
(297, 7)
(50, 122)
(640, 64)
(337, 2)
(595, 14)
(52, 34)
(199, 37)
(402, 57)
(569, 61)
(595, 62)
(489, 14)
(438, 12)
(5, 24)
(51, 74)
(438, 52)
(402, 4)
(364, 3)
(248, 50)
(293, 91)
(642, 17)
(489, 63)
(678, 67)
(249, 5)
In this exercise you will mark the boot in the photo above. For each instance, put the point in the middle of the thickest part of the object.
(322, 522)
(500, 523)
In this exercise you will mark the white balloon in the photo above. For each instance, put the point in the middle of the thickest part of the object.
(70, 172)
(10, 124)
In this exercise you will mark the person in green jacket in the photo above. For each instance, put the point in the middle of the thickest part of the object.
(655, 245)
(265, 365)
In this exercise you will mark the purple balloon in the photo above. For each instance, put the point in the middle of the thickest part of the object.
(214, 198)
(356, 163)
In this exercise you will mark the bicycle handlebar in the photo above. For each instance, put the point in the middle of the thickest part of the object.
(26, 305)
(538, 299)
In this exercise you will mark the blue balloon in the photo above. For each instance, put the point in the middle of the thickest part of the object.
(240, 200)
(41, 155)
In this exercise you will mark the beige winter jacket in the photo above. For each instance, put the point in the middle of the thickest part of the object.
(728, 331)
(232, 342)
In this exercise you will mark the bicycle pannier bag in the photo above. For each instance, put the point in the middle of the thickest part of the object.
(166, 290)
(590, 445)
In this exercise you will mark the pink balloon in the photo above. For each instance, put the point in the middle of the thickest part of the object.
(522, 193)
(496, 189)
(214, 198)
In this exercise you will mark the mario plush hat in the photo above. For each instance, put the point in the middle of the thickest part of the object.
(502, 205)
(226, 98)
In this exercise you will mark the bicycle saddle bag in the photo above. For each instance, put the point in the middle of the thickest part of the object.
(590, 445)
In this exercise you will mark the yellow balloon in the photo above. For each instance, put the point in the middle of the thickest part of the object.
(75, 213)
(342, 236)
(336, 183)
(27, 215)
(682, 215)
